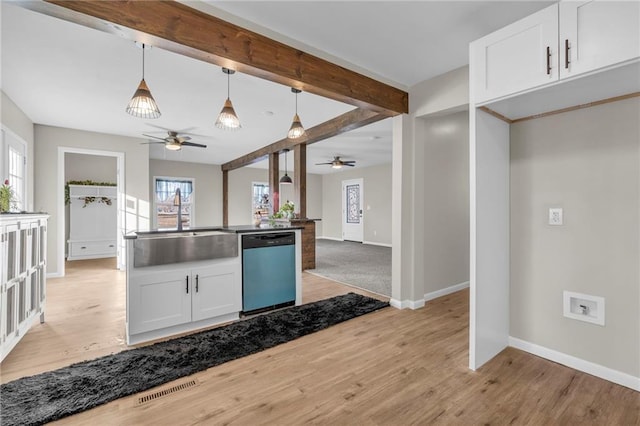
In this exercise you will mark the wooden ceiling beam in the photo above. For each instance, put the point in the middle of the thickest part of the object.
(178, 28)
(343, 123)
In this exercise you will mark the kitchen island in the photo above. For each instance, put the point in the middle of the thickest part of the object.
(182, 281)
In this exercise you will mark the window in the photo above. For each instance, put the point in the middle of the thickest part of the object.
(261, 202)
(14, 167)
(165, 206)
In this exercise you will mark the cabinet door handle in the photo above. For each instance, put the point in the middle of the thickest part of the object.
(187, 284)
(566, 54)
(83, 247)
(197, 282)
(548, 60)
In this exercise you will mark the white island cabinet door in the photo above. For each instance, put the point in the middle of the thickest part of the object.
(597, 34)
(521, 56)
(217, 290)
(158, 300)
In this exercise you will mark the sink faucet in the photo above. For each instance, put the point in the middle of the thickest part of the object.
(177, 201)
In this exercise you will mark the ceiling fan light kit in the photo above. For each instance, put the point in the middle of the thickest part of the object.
(142, 103)
(337, 163)
(296, 131)
(173, 146)
(286, 179)
(228, 119)
(174, 142)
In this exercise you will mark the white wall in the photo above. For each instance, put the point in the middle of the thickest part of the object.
(446, 191)
(208, 187)
(446, 93)
(240, 207)
(376, 202)
(586, 162)
(14, 119)
(97, 168)
(49, 139)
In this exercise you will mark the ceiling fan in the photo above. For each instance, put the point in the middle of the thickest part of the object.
(337, 163)
(173, 141)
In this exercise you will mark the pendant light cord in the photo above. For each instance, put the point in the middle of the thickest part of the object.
(296, 104)
(143, 61)
(228, 84)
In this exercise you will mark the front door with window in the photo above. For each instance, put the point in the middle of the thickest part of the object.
(352, 224)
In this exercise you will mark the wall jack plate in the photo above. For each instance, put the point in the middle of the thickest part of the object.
(583, 307)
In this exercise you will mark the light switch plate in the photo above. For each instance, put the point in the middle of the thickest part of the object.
(555, 216)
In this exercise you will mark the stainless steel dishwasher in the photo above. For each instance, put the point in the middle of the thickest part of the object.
(268, 271)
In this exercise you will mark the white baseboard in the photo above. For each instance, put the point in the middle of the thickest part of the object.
(404, 304)
(579, 364)
(54, 275)
(371, 243)
(444, 291)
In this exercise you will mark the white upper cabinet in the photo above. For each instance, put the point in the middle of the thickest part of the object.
(518, 57)
(565, 40)
(597, 34)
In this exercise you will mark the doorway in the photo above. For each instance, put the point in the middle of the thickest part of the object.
(352, 223)
(120, 179)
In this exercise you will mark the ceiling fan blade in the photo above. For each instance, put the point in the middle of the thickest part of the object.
(322, 164)
(349, 165)
(153, 137)
(150, 142)
(349, 162)
(182, 139)
(199, 145)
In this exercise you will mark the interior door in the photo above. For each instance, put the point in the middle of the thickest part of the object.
(352, 223)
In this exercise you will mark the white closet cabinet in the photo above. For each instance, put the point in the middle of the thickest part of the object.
(561, 41)
(517, 57)
(23, 249)
(596, 34)
(92, 225)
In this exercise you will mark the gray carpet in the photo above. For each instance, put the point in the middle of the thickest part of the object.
(361, 265)
(56, 394)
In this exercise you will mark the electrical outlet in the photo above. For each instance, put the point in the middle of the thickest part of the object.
(555, 216)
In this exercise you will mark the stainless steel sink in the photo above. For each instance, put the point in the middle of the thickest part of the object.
(175, 247)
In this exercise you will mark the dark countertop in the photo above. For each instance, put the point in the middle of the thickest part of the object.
(239, 229)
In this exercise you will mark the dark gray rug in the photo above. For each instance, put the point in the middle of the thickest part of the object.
(52, 395)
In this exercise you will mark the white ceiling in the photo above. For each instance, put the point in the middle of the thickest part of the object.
(63, 74)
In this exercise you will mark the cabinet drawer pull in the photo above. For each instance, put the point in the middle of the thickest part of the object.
(566, 54)
(187, 284)
(83, 247)
(548, 60)
(197, 282)
(111, 245)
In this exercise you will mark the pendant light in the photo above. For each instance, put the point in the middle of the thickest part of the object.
(296, 129)
(227, 119)
(142, 104)
(286, 178)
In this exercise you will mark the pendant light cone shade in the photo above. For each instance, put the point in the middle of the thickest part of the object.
(296, 130)
(142, 103)
(228, 119)
(286, 178)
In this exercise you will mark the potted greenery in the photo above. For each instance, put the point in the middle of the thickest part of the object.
(7, 197)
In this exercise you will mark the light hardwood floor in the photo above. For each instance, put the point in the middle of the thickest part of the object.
(389, 367)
